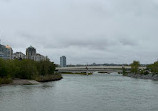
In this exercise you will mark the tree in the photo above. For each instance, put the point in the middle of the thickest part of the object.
(3, 68)
(153, 67)
(124, 71)
(135, 67)
(25, 69)
(45, 67)
(51, 68)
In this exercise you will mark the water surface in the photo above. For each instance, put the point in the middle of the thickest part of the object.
(98, 92)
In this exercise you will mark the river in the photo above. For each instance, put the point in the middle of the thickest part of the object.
(98, 92)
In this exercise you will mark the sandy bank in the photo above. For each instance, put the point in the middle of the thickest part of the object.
(24, 82)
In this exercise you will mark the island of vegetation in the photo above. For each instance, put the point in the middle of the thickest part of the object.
(150, 72)
(25, 69)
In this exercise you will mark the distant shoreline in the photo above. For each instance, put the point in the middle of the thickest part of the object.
(139, 76)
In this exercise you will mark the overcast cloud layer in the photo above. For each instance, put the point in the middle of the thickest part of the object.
(85, 31)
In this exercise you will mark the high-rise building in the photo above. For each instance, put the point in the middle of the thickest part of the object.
(31, 53)
(63, 61)
(6, 52)
(40, 57)
(19, 55)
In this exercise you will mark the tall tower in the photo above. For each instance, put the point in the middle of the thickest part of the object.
(6, 52)
(63, 61)
(30, 53)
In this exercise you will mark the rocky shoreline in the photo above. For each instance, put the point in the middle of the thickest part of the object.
(139, 76)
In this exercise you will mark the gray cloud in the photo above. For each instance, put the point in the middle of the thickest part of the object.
(86, 31)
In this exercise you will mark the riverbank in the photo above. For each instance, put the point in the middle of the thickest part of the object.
(42, 71)
(140, 76)
(37, 80)
(24, 82)
(5, 81)
(48, 78)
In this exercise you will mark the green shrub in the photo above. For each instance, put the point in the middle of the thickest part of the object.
(5, 80)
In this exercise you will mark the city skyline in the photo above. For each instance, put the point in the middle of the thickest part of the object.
(100, 31)
(6, 52)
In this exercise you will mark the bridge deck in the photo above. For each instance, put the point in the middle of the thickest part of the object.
(107, 69)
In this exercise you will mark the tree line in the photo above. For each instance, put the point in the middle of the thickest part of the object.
(152, 68)
(25, 69)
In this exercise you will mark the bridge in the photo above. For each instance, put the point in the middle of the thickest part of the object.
(91, 69)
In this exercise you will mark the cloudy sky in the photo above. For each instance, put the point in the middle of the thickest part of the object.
(85, 31)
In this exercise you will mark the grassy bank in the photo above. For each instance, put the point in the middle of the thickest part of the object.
(48, 78)
(17, 81)
(5, 81)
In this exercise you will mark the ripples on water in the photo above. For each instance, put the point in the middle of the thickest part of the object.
(98, 92)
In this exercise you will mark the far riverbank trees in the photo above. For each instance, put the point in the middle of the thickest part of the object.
(150, 69)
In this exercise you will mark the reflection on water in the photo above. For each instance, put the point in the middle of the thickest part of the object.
(98, 92)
